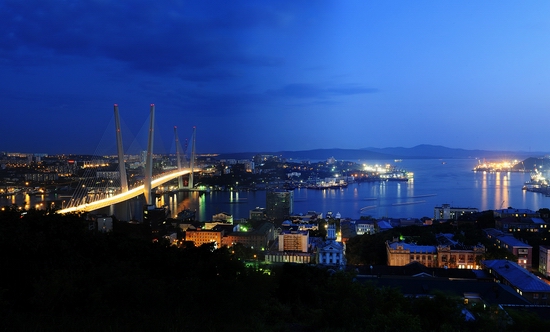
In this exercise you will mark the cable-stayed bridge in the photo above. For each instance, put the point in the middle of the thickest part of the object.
(123, 196)
(85, 200)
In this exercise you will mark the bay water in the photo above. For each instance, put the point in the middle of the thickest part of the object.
(435, 182)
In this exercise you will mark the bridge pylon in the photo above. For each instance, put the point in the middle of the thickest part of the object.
(192, 161)
(120, 150)
(89, 197)
(178, 156)
(149, 160)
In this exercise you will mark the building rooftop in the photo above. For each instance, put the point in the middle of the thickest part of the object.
(514, 211)
(415, 279)
(363, 221)
(413, 248)
(384, 225)
(454, 207)
(506, 238)
(445, 239)
(294, 232)
(524, 220)
(517, 276)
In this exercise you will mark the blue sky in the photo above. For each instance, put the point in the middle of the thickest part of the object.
(276, 75)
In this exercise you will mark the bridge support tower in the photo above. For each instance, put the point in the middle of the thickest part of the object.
(120, 150)
(149, 160)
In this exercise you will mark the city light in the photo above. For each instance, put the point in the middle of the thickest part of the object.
(124, 196)
(498, 166)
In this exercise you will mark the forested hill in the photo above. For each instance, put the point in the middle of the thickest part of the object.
(58, 276)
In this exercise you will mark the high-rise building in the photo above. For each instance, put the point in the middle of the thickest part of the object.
(447, 212)
(279, 204)
(294, 241)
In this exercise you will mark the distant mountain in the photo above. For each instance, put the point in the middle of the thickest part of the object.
(533, 163)
(437, 151)
(318, 154)
(423, 151)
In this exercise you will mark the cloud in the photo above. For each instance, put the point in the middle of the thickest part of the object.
(318, 91)
(153, 37)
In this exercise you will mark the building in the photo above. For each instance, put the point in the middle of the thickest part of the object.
(155, 218)
(453, 254)
(331, 252)
(382, 225)
(522, 281)
(474, 287)
(522, 251)
(211, 225)
(200, 237)
(223, 217)
(347, 230)
(294, 241)
(446, 212)
(291, 247)
(279, 204)
(108, 174)
(401, 253)
(249, 165)
(105, 224)
(404, 222)
(309, 217)
(445, 256)
(258, 238)
(518, 224)
(459, 256)
(511, 212)
(544, 260)
(99, 223)
(288, 257)
(36, 176)
(364, 227)
(257, 214)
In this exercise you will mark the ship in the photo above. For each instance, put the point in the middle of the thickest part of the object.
(394, 174)
(537, 183)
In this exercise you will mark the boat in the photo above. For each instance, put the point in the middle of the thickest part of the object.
(328, 185)
(394, 174)
(537, 183)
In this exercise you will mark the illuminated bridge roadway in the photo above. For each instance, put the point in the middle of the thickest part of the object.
(124, 196)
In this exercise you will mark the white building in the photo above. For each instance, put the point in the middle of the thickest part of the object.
(447, 212)
(364, 227)
(331, 252)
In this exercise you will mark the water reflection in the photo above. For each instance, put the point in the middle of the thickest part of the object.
(434, 184)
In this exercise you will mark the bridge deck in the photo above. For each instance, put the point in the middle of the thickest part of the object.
(134, 192)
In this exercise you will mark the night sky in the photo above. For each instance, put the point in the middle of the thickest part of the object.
(276, 75)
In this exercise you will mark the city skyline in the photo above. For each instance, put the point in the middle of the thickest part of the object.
(276, 76)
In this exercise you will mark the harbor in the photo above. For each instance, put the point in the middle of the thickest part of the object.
(433, 184)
